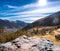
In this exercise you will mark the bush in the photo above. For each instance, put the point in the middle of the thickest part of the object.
(57, 37)
(6, 37)
(1, 29)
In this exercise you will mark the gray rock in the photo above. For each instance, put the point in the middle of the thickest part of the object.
(24, 43)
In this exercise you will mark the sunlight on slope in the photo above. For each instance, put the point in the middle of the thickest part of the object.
(51, 36)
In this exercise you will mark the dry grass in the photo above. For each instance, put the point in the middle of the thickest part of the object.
(51, 36)
(32, 32)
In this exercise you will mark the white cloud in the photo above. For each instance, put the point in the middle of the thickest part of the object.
(36, 11)
(10, 6)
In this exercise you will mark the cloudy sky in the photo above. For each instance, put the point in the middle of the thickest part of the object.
(27, 10)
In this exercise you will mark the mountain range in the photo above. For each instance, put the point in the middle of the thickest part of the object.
(12, 24)
(51, 20)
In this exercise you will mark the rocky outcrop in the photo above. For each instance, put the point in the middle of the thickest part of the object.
(24, 43)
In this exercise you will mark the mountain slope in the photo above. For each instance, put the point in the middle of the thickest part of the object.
(12, 24)
(51, 20)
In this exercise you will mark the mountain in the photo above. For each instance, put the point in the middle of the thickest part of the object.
(12, 24)
(51, 20)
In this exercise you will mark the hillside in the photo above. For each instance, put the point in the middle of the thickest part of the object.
(51, 20)
(51, 36)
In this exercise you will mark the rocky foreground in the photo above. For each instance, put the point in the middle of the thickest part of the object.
(24, 43)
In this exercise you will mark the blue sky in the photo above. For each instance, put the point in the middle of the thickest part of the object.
(27, 10)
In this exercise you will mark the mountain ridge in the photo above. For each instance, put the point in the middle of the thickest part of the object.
(51, 20)
(12, 24)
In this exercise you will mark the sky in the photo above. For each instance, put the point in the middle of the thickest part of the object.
(27, 10)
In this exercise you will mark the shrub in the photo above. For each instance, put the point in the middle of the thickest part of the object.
(1, 29)
(57, 37)
(11, 36)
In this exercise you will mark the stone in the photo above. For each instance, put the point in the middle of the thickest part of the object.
(24, 43)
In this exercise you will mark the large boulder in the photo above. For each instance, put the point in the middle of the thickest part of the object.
(24, 43)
